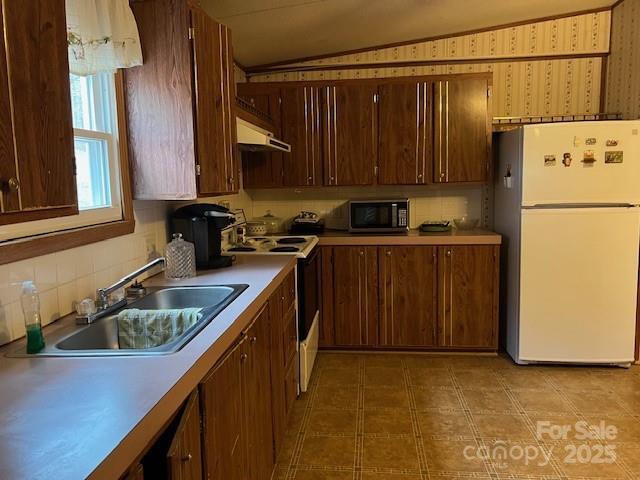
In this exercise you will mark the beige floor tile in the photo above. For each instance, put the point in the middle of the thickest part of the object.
(449, 457)
(536, 400)
(444, 424)
(288, 447)
(542, 422)
(477, 378)
(336, 396)
(594, 402)
(328, 451)
(393, 453)
(629, 399)
(388, 360)
(339, 376)
(383, 376)
(323, 474)
(628, 454)
(338, 360)
(436, 398)
(479, 401)
(388, 421)
(389, 476)
(627, 428)
(521, 458)
(427, 361)
(296, 418)
(502, 426)
(523, 377)
(332, 421)
(432, 377)
(385, 397)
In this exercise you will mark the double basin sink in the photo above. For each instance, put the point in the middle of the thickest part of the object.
(101, 338)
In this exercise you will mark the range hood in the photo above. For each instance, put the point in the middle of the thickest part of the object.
(256, 139)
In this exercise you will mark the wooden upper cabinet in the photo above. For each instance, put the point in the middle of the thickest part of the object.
(349, 133)
(263, 169)
(37, 165)
(180, 104)
(468, 293)
(184, 456)
(215, 95)
(355, 293)
(300, 111)
(462, 127)
(408, 296)
(405, 133)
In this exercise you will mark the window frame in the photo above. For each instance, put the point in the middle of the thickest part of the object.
(44, 243)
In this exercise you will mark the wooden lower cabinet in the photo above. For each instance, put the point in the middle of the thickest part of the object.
(184, 457)
(237, 423)
(430, 297)
(355, 296)
(468, 296)
(408, 296)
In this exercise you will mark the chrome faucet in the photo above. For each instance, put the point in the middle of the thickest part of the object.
(102, 294)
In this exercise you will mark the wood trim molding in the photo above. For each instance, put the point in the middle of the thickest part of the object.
(290, 62)
(21, 249)
(425, 63)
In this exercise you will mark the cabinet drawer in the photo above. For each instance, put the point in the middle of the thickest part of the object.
(290, 336)
(290, 387)
(288, 291)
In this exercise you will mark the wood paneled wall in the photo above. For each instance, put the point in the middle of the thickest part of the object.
(623, 72)
(548, 67)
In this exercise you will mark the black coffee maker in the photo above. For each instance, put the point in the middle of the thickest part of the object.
(202, 225)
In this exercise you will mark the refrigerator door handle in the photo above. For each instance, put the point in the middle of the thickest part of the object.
(556, 206)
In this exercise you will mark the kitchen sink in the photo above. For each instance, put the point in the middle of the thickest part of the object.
(101, 337)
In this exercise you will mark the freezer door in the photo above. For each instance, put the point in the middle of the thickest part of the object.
(546, 180)
(578, 285)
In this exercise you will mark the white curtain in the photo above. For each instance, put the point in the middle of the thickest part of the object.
(102, 36)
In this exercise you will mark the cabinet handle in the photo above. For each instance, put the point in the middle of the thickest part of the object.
(448, 253)
(419, 176)
(14, 184)
(243, 357)
(442, 175)
(309, 179)
(388, 253)
(253, 340)
(187, 458)
(361, 253)
(282, 298)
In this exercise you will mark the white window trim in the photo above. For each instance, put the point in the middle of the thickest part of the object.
(84, 218)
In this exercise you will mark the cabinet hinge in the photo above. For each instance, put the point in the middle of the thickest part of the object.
(198, 169)
(375, 171)
(489, 91)
(191, 33)
(375, 98)
(280, 100)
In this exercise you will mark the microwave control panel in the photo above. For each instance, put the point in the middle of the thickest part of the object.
(402, 217)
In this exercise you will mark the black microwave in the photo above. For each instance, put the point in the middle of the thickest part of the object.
(379, 216)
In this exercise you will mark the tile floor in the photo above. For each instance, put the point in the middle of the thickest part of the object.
(410, 417)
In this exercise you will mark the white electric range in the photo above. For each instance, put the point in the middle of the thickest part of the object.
(303, 247)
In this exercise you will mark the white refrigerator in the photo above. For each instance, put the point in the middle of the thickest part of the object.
(567, 202)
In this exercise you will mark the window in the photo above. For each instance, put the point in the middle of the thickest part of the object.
(97, 165)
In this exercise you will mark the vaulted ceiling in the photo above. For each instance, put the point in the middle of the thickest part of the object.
(267, 31)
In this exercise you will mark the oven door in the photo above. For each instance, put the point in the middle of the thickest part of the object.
(308, 292)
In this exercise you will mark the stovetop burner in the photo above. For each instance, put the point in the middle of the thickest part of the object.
(241, 249)
(284, 249)
(291, 240)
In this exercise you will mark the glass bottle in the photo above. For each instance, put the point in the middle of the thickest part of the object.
(180, 258)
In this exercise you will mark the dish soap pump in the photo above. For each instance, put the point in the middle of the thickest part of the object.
(31, 308)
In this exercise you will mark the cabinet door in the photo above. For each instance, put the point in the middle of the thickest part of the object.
(355, 288)
(257, 385)
(224, 440)
(214, 102)
(405, 133)
(277, 364)
(468, 290)
(262, 169)
(408, 296)
(327, 338)
(43, 179)
(462, 130)
(301, 129)
(349, 122)
(184, 455)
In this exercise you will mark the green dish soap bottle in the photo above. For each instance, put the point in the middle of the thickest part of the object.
(31, 308)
